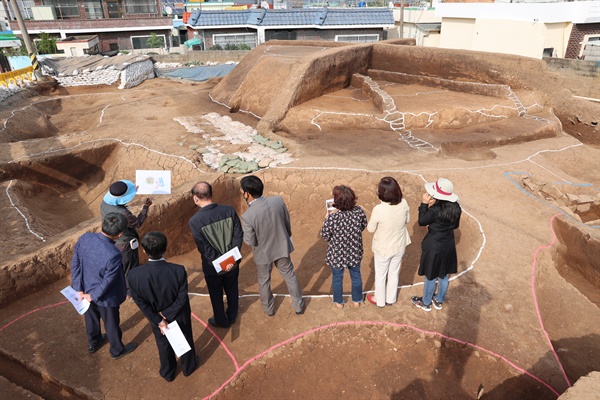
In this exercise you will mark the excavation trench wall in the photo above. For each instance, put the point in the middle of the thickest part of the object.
(304, 192)
(301, 79)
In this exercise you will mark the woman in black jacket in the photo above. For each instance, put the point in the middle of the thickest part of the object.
(440, 212)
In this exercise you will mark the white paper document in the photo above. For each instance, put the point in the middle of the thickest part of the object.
(235, 253)
(176, 339)
(153, 182)
(329, 207)
(80, 305)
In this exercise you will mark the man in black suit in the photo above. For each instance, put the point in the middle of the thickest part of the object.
(160, 289)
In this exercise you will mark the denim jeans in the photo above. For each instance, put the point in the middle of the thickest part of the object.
(337, 279)
(430, 287)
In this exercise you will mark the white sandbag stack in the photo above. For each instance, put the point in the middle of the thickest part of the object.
(101, 76)
(95, 70)
(136, 73)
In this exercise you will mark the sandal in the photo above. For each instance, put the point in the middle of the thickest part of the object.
(339, 305)
(356, 304)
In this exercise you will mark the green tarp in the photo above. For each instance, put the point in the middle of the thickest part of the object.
(193, 42)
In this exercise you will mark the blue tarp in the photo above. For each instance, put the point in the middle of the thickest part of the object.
(19, 62)
(199, 74)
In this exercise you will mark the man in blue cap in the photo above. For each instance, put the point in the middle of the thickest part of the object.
(115, 201)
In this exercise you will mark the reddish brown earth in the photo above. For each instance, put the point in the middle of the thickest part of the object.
(61, 149)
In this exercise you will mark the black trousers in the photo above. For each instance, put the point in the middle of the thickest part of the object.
(168, 361)
(111, 318)
(228, 283)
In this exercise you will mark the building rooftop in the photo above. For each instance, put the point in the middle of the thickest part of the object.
(323, 17)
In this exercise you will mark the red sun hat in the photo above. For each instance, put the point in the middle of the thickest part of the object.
(442, 189)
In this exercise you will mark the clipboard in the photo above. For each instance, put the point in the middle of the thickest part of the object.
(230, 257)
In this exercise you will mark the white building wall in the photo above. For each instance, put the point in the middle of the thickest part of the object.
(521, 38)
(457, 33)
(432, 40)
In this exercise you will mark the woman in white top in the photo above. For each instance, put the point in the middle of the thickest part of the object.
(388, 222)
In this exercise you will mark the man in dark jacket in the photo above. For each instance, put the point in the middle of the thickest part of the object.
(160, 289)
(97, 275)
(217, 229)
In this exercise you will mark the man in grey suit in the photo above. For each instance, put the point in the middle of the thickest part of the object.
(267, 228)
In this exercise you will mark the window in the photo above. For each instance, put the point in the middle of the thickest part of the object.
(140, 6)
(93, 9)
(235, 39)
(590, 48)
(64, 8)
(141, 42)
(24, 7)
(357, 38)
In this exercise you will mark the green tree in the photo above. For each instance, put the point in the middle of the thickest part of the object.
(46, 44)
(155, 41)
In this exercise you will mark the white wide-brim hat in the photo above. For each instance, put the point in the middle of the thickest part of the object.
(442, 189)
(120, 193)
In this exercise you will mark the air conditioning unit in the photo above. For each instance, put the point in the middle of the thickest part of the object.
(43, 13)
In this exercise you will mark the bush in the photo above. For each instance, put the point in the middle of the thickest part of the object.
(230, 46)
(244, 46)
(46, 44)
(123, 52)
(216, 47)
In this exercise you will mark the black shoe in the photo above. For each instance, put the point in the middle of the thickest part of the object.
(212, 321)
(300, 312)
(418, 301)
(197, 359)
(232, 321)
(93, 349)
(129, 348)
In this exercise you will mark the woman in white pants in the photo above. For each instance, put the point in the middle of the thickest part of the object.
(388, 222)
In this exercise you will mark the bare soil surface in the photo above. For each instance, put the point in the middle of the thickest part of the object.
(510, 300)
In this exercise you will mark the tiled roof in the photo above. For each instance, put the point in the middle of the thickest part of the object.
(302, 17)
(361, 16)
(292, 17)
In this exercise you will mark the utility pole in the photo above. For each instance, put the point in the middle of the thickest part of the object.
(28, 45)
(401, 19)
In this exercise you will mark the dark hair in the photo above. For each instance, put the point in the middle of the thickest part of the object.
(344, 198)
(253, 185)
(202, 190)
(113, 224)
(155, 244)
(389, 190)
(449, 211)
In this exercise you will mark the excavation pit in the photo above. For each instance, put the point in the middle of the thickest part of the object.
(505, 234)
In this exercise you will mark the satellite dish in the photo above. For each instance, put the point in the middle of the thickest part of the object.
(168, 10)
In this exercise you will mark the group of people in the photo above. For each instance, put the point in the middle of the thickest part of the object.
(105, 266)
(342, 229)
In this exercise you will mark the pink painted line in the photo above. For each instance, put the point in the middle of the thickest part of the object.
(237, 367)
(535, 301)
(31, 312)
(337, 324)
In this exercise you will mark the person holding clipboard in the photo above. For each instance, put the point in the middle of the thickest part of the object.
(217, 230)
